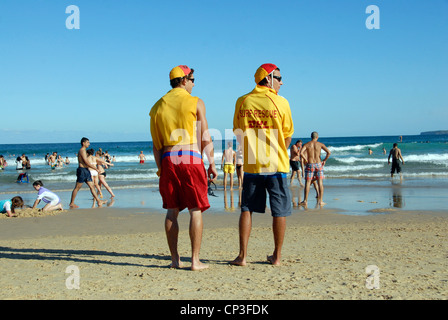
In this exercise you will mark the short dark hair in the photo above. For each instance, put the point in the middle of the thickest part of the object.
(84, 140)
(174, 83)
(264, 82)
(38, 183)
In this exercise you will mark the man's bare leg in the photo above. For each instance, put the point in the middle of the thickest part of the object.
(196, 226)
(245, 227)
(321, 192)
(172, 233)
(225, 180)
(74, 193)
(278, 228)
(306, 192)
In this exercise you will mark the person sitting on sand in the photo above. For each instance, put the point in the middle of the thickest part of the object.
(8, 206)
(314, 166)
(51, 199)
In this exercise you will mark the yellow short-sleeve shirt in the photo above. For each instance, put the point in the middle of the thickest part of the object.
(173, 119)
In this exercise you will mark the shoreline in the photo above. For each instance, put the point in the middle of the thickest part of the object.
(345, 196)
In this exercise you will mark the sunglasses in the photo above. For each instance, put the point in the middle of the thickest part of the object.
(192, 80)
(278, 78)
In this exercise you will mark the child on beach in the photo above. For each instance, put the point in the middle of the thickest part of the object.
(51, 199)
(8, 206)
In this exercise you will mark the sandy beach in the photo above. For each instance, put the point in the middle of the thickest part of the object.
(121, 253)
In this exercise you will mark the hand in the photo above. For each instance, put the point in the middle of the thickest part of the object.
(212, 173)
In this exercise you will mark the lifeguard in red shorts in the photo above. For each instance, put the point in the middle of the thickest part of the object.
(176, 120)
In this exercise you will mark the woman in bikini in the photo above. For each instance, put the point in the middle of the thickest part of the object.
(102, 173)
(93, 160)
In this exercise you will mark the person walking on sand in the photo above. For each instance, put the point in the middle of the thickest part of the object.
(94, 173)
(314, 167)
(83, 175)
(295, 162)
(102, 173)
(263, 122)
(228, 162)
(395, 153)
(178, 123)
(142, 157)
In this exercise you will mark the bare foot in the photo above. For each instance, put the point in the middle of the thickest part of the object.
(273, 261)
(198, 266)
(100, 203)
(73, 206)
(177, 265)
(238, 262)
(303, 203)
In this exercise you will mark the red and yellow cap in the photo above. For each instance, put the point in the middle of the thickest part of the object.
(263, 71)
(179, 72)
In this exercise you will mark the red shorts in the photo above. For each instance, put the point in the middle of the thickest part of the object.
(183, 181)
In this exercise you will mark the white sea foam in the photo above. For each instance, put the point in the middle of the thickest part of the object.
(354, 147)
(351, 168)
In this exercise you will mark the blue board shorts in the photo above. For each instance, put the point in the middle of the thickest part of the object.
(253, 197)
(83, 175)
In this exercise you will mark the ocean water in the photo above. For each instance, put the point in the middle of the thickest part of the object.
(426, 157)
(356, 183)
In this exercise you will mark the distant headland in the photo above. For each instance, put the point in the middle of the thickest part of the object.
(434, 132)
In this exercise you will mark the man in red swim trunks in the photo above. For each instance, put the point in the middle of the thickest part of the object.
(142, 157)
(180, 136)
(314, 167)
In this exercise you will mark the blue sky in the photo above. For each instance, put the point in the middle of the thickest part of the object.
(341, 78)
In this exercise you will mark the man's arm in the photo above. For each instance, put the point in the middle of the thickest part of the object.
(302, 153)
(327, 151)
(206, 141)
(158, 159)
(400, 156)
(287, 142)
